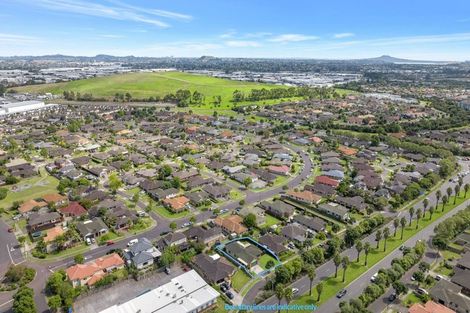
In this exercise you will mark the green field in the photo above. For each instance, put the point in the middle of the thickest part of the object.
(145, 85)
(30, 188)
(239, 280)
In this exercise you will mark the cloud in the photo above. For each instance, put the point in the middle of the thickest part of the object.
(110, 36)
(257, 35)
(118, 11)
(228, 34)
(343, 35)
(292, 38)
(17, 39)
(242, 44)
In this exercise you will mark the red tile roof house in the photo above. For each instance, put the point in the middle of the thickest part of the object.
(325, 180)
(89, 273)
(74, 209)
(280, 170)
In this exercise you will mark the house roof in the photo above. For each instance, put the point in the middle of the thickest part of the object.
(53, 198)
(305, 195)
(74, 209)
(177, 203)
(213, 270)
(30, 205)
(429, 307)
(232, 223)
(53, 233)
(325, 180)
(82, 271)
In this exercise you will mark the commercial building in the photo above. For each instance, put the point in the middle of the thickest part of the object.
(186, 293)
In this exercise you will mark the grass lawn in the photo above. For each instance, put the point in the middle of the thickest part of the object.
(443, 270)
(81, 248)
(235, 194)
(411, 299)
(34, 188)
(332, 285)
(164, 212)
(270, 221)
(143, 224)
(449, 255)
(219, 308)
(264, 259)
(109, 236)
(239, 280)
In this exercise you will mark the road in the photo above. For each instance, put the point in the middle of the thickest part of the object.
(162, 225)
(356, 287)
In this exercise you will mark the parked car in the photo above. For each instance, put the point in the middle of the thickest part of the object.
(229, 295)
(374, 277)
(132, 242)
(341, 293)
(392, 297)
(167, 270)
(421, 291)
(109, 242)
(438, 277)
(295, 290)
(223, 288)
(10, 230)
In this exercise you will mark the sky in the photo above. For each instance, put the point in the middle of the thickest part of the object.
(333, 29)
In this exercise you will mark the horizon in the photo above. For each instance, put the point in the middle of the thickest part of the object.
(337, 30)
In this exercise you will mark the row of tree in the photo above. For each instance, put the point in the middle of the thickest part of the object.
(385, 278)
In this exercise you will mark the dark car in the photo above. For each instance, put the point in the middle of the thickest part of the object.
(341, 293)
(392, 297)
(10, 230)
(229, 295)
(225, 285)
(223, 288)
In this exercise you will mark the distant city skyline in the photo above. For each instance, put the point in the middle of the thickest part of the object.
(424, 30)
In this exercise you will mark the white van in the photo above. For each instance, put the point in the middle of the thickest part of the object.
(374, 277)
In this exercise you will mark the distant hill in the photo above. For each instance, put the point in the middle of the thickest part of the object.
(390, 59)
(384, 59)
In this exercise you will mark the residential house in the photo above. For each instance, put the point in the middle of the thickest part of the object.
(273, 242)
(315, 224)
(214, 268)
(142, 254)
(244, 252)
(89, 273)
(74, 209)
(41, 221)
(28, 206)
(176, 204)
(294, 232)
(92, 228)
(335, 210)
(279, 209)
(231, 224)
(208, 237)
(306, 196)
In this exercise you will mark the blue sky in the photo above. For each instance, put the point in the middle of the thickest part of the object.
(437, 30)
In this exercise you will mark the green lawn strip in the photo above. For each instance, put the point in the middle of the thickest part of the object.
(239, 280)
(109, 236)
(333, 285)
(249, 286)
(81, 248)
(411, 299)
(144, 224)
(164, 212)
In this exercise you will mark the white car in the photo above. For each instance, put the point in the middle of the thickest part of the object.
(295, 290)
(132, 242)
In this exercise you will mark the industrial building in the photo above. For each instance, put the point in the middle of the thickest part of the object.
(23, 107)
(187, 293)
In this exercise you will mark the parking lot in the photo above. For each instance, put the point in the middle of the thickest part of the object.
(123, 292)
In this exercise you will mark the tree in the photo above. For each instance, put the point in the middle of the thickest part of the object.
(3, 193)
(54, 302)
(396, 223)
(449, 192)
(386, 234)
(173, 226)
(79, 259)
(402, 224)
(319, 289)
(311, 275)
(438, 196)
(425, 204)
(165, 171)
(288, 295)
(23, 301)
(359, 246)
(419, 277)
(114, 182)
(418, 216)
(466, 187)
(399, 288)
(250, 220)
(337, 261)
(279, 291)
(168, 257)
(366, 252)
(411, 211)
(444, 202)
(456, 192)
(378, 237)
(431, 212)
(344, 264)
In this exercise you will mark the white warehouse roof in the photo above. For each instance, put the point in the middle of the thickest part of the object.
(185, 293)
